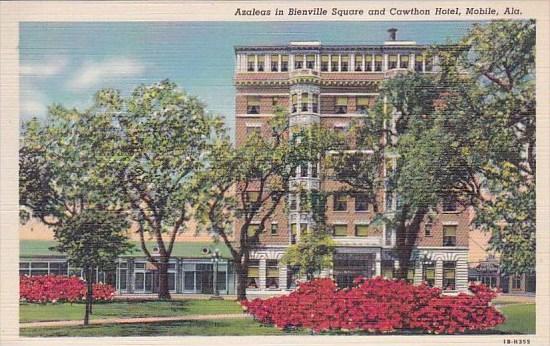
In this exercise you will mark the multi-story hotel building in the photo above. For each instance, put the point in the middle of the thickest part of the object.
(333, 85)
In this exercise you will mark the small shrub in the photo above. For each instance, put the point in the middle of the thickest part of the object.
(60, 288)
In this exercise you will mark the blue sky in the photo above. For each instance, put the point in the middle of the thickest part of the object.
(67, 62)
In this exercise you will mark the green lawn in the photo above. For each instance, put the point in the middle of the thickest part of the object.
(203, 328)
(520, 319)
(56, 312)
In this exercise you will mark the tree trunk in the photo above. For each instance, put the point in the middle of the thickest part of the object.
(164, 292)
(406, 236)
(242, 276)
(89, 295)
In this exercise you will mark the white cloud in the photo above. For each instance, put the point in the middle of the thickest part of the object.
(92, 73)
(33, 102)
(52, 66)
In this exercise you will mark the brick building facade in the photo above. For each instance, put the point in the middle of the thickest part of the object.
(332, 85)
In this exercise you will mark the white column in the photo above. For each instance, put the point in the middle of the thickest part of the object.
(291, 62)
(339, 62)
(282, 276)
(385, 66)
(279, 66)
(364, 63)
(352, 63)
(439, 273)
(411, 62)
(267, 62)
(372, 63)
(262, 273)
(378, 264)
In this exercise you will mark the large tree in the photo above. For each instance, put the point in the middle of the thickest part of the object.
(64, 183)
(163, 140)
(245, 185)
(466, 134)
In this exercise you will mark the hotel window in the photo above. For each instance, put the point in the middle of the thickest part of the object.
(449, 235)
(251, 62)
(250, 130)
(429, 64)
(271, 274)
(310, 61)
(122, 272)
(252, 230)
(418, 63)
(293, 233)
(361, 230)
(292, 202)
(392, 62)
(58, 268)
(388, 236)
(428, 229)
(274, 63)
(274, 101)
(303, 200)
(340, 230)
(303, 228)
(253, 274)
(304, 100)
(361, 202)
(314, 169)
(368, 63)
(449, 204)
(449, 275)
(362, 104)
(313, 99)
(516, 282)
(340, 202)
(284, 63)
(334, 63)
(252, 200)
(253, 105)
(24, 268)
(341, 105)
(274, 229)
(388, 269)
(358, 63)
(261, 63)
(298, 62)
(410, 273)
(324, 63)
(345, 63)
(294, 103)
(389, 200)
(378, 63)
(428, 273)
(303, 170)
(404, 61)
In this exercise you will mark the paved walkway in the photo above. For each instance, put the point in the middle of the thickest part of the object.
(134, 320)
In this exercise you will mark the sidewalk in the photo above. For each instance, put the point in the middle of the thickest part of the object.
(133, 320)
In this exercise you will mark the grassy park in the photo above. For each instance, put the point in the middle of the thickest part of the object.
(520, 319)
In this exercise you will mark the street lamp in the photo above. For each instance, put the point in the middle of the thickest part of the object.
(215, 259)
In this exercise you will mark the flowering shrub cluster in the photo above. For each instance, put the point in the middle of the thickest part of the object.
(377, 305)
(58, 288)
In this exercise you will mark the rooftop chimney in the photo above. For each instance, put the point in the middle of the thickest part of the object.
(393, 33)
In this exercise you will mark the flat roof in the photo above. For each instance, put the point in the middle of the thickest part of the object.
(42, 248)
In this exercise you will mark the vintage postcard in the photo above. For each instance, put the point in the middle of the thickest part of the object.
(275, 173)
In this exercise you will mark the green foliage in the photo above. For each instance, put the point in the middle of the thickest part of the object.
(93, 238)
(312, 253)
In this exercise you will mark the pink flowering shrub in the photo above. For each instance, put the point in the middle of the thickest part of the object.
(377, 305)
(59, 288)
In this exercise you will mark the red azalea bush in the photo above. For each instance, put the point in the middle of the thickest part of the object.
(377, 305)
(59, 288)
